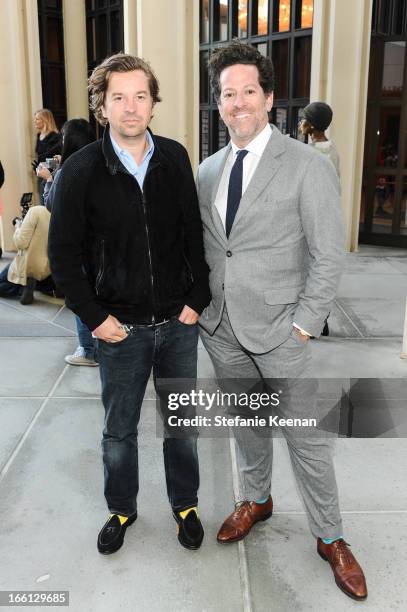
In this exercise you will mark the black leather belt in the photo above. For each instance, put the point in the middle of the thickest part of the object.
(129, 326)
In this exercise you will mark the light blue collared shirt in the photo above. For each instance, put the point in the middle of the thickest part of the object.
(139, 172)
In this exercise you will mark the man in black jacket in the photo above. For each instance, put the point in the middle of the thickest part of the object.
(126, 249)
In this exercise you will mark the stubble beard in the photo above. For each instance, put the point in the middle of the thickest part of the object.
(246, 135)
(131, 133)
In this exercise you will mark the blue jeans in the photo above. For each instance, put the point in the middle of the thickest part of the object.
(8, 289)
(86, 339)
(170, 350)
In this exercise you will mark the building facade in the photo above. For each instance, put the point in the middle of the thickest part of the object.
(321, 49)
(383, 218)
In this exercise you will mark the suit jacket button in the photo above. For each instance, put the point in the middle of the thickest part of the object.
(228, 253)
(223, 286)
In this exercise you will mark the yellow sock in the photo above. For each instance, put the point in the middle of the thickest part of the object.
(185, 513)
(121, 518)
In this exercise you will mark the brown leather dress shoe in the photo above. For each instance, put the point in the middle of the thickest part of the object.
(246, 514)
(348, 574)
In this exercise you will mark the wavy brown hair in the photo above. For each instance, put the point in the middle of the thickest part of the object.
(98, 81)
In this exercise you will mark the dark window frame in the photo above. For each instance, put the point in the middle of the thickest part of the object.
(48, 66)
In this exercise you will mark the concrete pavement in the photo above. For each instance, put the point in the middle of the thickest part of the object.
(51, 480)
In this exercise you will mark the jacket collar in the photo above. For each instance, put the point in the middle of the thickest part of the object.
(267, 168)
(274, 148)
(113, 163)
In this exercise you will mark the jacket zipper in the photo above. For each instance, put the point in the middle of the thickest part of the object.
(149, 249)
(102, 268)
(144, 201)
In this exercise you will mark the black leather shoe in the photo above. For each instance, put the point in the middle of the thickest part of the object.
(111, 536)
(190, 530)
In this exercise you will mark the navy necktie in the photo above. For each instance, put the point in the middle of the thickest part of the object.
(235, 189)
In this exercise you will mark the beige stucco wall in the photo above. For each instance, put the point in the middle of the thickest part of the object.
(20, 96)
(339, 74)
(76, 63)
(130, 26)
(168, 37)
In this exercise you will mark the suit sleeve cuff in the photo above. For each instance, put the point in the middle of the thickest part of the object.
(303, 331)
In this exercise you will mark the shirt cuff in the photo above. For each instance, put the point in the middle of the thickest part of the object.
(301, 329)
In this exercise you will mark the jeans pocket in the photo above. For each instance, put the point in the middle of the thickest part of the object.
(117, 342)
(186, 324)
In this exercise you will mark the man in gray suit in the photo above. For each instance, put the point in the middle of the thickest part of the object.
(273, 236)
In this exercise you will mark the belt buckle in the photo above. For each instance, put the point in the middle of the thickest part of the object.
(157, 324)
(161, 322)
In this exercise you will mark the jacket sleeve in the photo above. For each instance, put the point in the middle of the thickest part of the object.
(66, 242)
(23, 234)
(199, 295)
(49, 189)
(321, 218)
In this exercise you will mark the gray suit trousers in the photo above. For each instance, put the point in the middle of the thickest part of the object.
(311, 455)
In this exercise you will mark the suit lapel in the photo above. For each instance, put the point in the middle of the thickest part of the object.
(267, 167)
(217, 221)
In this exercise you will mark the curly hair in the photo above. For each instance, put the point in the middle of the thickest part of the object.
(98, 81)
(240, 53)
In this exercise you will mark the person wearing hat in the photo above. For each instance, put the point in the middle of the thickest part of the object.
(315, 119)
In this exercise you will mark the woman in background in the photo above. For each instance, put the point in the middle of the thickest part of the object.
(30, 267)
(48, 141)
(76, 133)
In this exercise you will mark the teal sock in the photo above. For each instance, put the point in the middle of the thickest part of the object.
(262, 500)
(330, 540)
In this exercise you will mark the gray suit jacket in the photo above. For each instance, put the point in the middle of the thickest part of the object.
(283, 258)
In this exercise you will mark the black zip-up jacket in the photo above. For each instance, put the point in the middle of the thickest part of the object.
(115, 249)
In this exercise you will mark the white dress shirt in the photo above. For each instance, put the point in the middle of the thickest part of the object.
(250, 162)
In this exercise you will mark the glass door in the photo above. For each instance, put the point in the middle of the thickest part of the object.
(383, 217)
